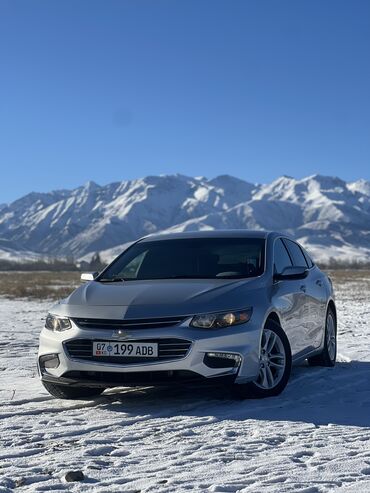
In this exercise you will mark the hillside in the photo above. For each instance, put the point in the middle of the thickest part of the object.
(329, 216)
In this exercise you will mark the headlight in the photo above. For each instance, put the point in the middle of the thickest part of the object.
(57, 324)
(217, 320)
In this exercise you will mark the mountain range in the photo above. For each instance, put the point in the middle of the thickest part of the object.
(329, 216)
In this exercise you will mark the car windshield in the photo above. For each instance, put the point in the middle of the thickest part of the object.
(190, 258)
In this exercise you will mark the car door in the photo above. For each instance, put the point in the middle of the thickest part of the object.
(318, 293)
(289, 300)
(310, 296)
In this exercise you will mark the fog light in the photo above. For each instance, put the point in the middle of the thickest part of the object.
(49, 361)
(222, 360)
(235, 357)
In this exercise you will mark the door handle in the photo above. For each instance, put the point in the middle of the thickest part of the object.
(319, 282)
(303, 288)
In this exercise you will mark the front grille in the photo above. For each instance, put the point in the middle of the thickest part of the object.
(168, 349)
(140, 323)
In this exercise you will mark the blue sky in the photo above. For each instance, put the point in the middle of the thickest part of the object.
(111, 90)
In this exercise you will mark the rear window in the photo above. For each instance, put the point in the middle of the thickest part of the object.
(281, 257)
(226, 258)
(295, 253)
(308, 258)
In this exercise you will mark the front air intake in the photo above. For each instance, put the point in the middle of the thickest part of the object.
(168, 349)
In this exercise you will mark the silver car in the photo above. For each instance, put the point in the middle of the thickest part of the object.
(215, 307)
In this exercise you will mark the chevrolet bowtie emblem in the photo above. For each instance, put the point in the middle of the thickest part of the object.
(122, 334)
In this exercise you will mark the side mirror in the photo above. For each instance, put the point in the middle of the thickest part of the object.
(291, 273)
(88, 276)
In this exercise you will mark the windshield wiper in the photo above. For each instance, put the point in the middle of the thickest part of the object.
(236, 276)
(185, 277)
(125, 279)
(113, 279)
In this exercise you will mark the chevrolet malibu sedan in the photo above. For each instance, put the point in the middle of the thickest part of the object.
(221, 307)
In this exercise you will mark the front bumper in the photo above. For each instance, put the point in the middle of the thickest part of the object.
(241, 340)
(104, 379)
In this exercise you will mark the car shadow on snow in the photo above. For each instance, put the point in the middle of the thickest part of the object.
(320, 396)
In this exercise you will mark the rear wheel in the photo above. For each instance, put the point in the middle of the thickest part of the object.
(65, 392)
(329, 352)
(275, 364)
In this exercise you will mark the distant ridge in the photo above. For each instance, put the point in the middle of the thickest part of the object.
(330, 216)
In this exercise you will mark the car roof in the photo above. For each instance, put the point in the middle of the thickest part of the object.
(220, 233)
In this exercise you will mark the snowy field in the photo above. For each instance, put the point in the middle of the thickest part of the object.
(313, 438)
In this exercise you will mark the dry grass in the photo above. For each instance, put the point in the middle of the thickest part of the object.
(348, 275)
(38, 285)
(351, 283)
(58, 285)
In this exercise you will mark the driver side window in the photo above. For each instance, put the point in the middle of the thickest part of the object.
(281, 257)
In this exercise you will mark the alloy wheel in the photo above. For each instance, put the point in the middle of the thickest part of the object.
(272, 360)
(331, 338)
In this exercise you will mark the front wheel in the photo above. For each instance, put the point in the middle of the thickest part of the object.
(275, 364)
(65, 392)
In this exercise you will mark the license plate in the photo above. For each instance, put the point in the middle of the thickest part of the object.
(126, 349)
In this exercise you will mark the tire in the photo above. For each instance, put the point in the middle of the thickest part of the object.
(329, 353)
(65, 392)
(264, 385)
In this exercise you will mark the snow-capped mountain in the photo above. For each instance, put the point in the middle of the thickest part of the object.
(10, 252)
(331, 217)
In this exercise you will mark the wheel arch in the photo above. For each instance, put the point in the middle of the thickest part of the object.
(269, 315)
(331, 305)
(274, 317)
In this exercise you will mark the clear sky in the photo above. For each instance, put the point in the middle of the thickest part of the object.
(111, 90)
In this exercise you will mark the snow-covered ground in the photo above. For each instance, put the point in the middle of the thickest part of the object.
(313, 438)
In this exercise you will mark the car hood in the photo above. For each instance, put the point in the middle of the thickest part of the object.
(156, 298)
